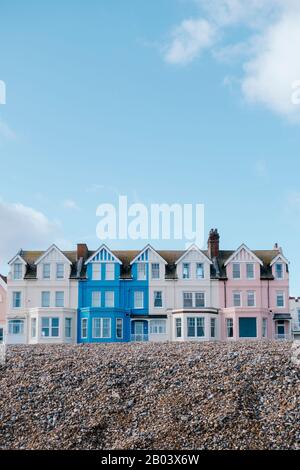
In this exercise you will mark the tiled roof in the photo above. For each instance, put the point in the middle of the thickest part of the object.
(218, 270)
(4, 278)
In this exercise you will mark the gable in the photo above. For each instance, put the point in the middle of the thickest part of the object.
(279, 259)
(103, 255)
(193, 254)
(243, 255)
(53, 254)
(148, 254)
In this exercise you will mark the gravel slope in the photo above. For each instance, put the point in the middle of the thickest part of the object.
(150, 396)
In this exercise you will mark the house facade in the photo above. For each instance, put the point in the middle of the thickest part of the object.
(42, 297)
(3, 306)
(295, 313)
(106, 295)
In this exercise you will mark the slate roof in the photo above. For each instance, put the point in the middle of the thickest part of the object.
(218, 270)
(4, 278)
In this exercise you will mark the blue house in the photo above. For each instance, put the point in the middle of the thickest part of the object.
(113, 296)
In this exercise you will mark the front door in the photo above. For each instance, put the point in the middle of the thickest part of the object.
(139, 330)
(280, 330)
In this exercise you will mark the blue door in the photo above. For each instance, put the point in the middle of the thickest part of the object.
(247, 327)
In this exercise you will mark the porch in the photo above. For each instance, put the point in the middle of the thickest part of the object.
(283, 326)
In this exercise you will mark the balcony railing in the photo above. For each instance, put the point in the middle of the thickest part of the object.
(139, 338)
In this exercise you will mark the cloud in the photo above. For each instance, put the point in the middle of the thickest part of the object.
(24, 227)
(268, 55)
(6, 131)
(189, 40)
(70, 204)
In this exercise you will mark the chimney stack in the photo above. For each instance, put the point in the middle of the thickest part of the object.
(82, 251)
(213, 243)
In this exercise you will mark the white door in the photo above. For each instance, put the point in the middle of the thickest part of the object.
(139, 331)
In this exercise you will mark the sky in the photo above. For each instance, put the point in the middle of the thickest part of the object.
(168, 101)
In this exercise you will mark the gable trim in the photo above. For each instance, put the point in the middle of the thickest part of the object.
(18, 256)
(192, 248)
(279, 257)
(243, 247)
(148, 247)
(103, 247)
(52, 247)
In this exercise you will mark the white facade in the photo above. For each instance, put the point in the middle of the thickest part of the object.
(42, 309)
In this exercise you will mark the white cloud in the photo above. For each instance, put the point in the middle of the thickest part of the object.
(24, 227)
(269, 52)
(189, 40)
(70, 204)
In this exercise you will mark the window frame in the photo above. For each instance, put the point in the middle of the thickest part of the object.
(178, 326)
(186, 271)
(156, 326)
(141, 275)
(135, 296)
(110, 271)
(48, 276)
(17, 295)
(57, 271)
(117, 327)
(229, 328)
(50, 327)
(233, 271)
(249, 292)
(68, 327)
(197, 271)
(96, 273)
(84, 327)
(112, 300)
(20, 266)
(250, 278)
(155, 299)
(56, 299)
(157, 270)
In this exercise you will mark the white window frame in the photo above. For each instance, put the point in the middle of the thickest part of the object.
(96, 299)
(282, 271)
(100, 321)
(58, 266)
(213, 327)
(119, 320)
(63, 299)
(280, 293)
(12, 324)
(253, 272)
(264, 332)
(200, 293)
(155, 271)
(186, 271)
(249, 292)
(138, 303)
(50, 327)
(196, 326)
(234, 293)
(203, 271)
(141, 273)
(158, 327)
(42, 298)
(178, 326)
(109, 271)
(84, 327)
(48, 276)
(96, 271)
(229, 327)
(68, 328)
(14, 299)
(18, 275)
(155, 298)
(109, 302)
(187, 296)
(233, 272)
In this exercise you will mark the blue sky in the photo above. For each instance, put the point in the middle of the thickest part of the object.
(164, 101)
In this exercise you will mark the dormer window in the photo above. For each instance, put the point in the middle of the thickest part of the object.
(46, 271)
(17, 271)
(279, 271)
(141, 271)
(186, 271)
(250, 270)
(236, 271)
(60, 271)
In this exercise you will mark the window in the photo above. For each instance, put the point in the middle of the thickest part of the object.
(299, 317)
(119, 328)
(18, 271)
(280, 299)
(46, 271)
(16, 299)
(141, 271)
(279, 271)
(250, 270)
(139, 299)
(186, 271)
(59, 299)
(45, 299)
(109, 271)
(264, 327)
(229, 327)
(158, 299)
(237, 299)
(50, 327)
(195, 327)
(68, 327)
(187, 299)
(178, 325)
(236, 270)
(158, 327)
(101, 328)
(250, 298)
(200, 299)
(200, 271)
(96, 299)
(213, 327)
(109, 299)
(33, 328)
(84, 326)
(96, 271)
(16, 327)
(1, 335)
(155, 274)
(60, 271)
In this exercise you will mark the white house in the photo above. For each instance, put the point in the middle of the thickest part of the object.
(295, 313)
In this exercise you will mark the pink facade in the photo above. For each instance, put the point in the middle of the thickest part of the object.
(254, 295)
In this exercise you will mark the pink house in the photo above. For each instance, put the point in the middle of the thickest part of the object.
(3, 291)
(254, 294)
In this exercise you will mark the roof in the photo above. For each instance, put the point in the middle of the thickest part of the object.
(217, 268)
(4, 278)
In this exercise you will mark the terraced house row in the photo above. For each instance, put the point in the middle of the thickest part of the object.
(120, 296)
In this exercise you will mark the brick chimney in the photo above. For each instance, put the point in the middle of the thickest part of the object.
(213, 243)
(82, 251)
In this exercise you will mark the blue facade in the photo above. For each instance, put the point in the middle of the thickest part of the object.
(100, 323)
